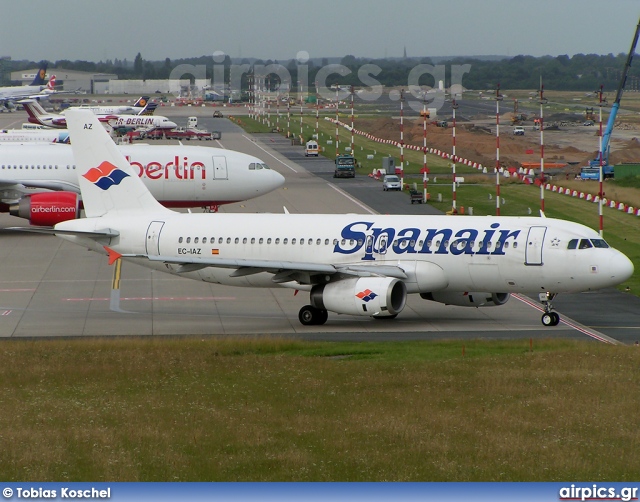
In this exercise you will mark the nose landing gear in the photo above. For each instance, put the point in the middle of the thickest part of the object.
(549, 318)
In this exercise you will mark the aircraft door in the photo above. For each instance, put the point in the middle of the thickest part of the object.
(153, 238)
(535, 240)
(220, 168)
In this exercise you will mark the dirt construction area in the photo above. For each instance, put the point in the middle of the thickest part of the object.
(565, 141)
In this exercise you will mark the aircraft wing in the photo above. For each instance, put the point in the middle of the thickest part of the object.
(280, 269)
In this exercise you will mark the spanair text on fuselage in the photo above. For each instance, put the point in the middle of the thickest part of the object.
(502, 255)
(176, 175)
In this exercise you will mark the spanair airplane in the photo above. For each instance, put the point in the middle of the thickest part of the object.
(10, 95)
(360, 265)
(37, 115)
(40, 182)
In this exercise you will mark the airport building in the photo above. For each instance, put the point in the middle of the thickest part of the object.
(71, 80)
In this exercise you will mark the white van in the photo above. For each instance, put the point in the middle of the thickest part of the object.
(311, 149)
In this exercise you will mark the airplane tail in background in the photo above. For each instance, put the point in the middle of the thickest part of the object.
(34, 110)
(51, 85)
(149, 109)
(40, 76)
(142, 102)
(107, 181)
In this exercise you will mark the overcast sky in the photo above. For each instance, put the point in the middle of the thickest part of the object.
(277, 29)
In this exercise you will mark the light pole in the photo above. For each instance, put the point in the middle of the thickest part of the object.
(498, 98)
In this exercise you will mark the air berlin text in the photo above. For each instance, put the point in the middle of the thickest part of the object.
(177, 169)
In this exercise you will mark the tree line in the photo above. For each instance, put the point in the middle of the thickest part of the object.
(581, 72)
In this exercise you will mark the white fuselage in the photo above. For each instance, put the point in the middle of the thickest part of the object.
(437, 253)
(33, 136)
(176, 175)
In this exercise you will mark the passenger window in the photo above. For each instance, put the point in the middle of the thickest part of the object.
(585, 244)
(573, 244)
(195, 241)
(204, 240)
(228, 240)
(293, 241)
(335, 242)
(253, 240)
(326, 242)
(515, 245)
(261, 240)
(220, 240)
(237, 241)
(269, 240)
(180, 240)
(318, 242)
(285, 241)
(278, 240)
(244, 241)
(188, 240)
(302, 242)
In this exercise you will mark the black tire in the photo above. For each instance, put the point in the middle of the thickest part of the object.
(547, 319)
(311, 316)
(556, 319)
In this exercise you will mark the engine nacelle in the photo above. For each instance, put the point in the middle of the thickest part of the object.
(365, 296)
(47, 209)
(468, 299)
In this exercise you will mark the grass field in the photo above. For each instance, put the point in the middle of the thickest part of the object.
(279, 410)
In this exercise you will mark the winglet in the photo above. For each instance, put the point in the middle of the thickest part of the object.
(113, 255)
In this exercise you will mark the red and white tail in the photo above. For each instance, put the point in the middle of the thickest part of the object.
(51, 85)
(34, 110)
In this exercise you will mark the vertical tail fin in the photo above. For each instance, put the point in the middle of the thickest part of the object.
(149, 109)
(142, 102)
(107, 181)
(51, 85)
(34, 110)
(39, 78)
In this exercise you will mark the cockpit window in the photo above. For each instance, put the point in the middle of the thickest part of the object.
(573, 244)
(265, 166)
(252, 166)
(585, 244)
(599, 243)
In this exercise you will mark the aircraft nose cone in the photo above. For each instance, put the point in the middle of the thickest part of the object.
(621, 268)
(277, 180)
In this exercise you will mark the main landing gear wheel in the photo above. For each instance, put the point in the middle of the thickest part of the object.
(549, 318)
(311, 316)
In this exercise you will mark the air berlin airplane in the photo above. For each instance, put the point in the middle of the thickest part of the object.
(176, 175)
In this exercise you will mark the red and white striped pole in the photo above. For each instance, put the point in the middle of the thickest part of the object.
(498, 99)
(301, 102)
(317, 113)
(543, 101)
(454, 106)
(402, 139)
(352, 140)
(425, 170)
(601, 103)
(337, 118)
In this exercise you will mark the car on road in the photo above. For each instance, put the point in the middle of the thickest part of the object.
(217, 114)
(588, 123)
(391, 182)
(518, 131)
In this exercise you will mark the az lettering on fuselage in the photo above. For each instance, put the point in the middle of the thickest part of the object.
(414, 240)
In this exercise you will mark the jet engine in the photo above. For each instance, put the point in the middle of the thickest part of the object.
(468, 299)
(47, 209)
(365, 296)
